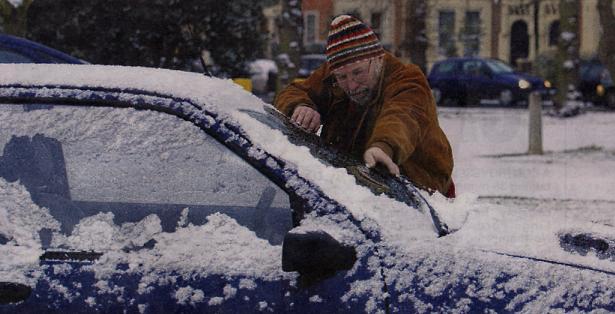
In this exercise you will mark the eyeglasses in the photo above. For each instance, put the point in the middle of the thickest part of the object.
(358, 73)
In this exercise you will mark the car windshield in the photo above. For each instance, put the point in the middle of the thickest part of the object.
(498, 66)
(377, 180)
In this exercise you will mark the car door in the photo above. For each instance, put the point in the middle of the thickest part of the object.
(143, 210)
(478, 84)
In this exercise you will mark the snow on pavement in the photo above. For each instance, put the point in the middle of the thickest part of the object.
(489, 146)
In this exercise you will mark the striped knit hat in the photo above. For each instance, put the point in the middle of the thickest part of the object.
(350, 41)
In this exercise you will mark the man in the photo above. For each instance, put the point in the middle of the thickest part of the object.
(373, 107)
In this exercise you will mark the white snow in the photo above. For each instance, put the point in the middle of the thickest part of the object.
(508, 202)
(189, 295)
(20, 222)
(15, 3)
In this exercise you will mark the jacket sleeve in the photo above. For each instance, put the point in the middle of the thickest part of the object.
(408, 110)
(311, 92)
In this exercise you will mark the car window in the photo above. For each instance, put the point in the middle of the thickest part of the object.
(82, 161)
(473, 67)
(444, 68)
(498, 66)
(8, 56)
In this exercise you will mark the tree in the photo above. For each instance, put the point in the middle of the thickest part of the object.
(290, 30)
(568, 52)
(416, 42)
(156, 33)
(13, 17)
(606, 51)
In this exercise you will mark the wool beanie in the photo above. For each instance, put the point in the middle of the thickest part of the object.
(350, 40)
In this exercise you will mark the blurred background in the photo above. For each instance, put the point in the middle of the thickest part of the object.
(567, 44)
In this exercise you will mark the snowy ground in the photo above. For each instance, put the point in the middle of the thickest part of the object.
(490, 145)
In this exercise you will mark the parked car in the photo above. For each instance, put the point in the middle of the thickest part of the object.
(309, 63)
(150, 190)
(473, 81)
(263, 73)
(596, 84)
(19, 50)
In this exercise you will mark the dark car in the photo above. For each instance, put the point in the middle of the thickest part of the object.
(474, 81)
(309, 63)
(156, 191)
(596, 84)
(19, 50)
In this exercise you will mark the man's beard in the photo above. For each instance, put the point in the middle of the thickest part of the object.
(362, 97)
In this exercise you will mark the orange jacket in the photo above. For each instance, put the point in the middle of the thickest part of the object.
(401, 120)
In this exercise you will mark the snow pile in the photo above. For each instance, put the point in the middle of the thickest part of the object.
(213, 248)
(20, 223)
(100, 234)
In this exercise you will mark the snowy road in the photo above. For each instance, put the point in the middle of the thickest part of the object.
(489, 146)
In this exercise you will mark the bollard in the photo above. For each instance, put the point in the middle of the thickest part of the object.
(535, 109)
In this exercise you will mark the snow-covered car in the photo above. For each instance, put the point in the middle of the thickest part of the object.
(136, 189)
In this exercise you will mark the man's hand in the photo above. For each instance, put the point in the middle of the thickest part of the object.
(375, 155)
(307, 118)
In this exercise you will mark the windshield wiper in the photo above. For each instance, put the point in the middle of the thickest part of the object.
(78, 256)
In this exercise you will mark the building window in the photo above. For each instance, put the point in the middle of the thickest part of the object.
(446, 33)
(311, 28)
(376, 23)
(554, 33)
(470, 34)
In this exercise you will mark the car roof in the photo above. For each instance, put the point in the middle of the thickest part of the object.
(22, 43)
(460, 59)
(314, 56)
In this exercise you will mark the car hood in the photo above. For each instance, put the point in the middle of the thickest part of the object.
(574, 234)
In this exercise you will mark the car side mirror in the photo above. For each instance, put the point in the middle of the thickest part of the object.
(11, 292)
(315, 254)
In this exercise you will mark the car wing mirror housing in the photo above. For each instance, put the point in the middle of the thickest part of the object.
(315, 253)
(11, 292)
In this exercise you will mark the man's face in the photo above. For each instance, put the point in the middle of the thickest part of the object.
(359, 79)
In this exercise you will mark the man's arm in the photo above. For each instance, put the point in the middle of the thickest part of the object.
(407, 112)
(303, 101)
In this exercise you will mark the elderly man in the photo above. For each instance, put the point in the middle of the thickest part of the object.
(373, 107)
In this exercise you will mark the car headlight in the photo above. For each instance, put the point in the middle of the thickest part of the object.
(523, 84)
(548, 84)
(600, 90)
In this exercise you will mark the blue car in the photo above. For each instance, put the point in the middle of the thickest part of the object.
(19, 50)
(476, 81)
(127, 189)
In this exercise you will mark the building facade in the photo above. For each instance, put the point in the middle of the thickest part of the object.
(515, 31)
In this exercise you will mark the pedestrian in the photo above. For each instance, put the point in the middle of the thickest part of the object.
(374, 107)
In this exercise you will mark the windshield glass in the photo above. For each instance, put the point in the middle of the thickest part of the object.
(498, 66)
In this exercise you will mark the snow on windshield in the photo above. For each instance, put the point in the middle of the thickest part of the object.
(399, 222)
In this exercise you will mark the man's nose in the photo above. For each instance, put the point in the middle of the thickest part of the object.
(352, 85)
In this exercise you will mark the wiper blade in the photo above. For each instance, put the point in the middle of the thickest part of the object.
(79, 256)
